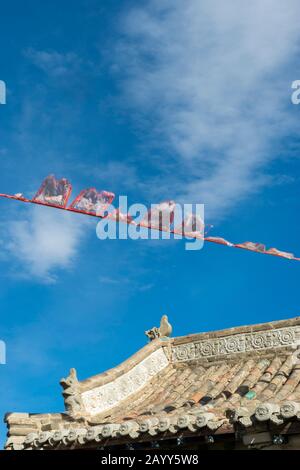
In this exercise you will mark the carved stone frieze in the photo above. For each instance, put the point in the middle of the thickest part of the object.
(106, 396)
(234, 344)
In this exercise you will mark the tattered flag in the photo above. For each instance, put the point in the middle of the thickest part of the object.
(55, 193)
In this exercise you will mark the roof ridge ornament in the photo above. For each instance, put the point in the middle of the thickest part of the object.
(163, 331)
(71, 393)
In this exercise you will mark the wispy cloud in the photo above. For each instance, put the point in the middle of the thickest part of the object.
(43, 242)
(129, 285)
(210, 82)
(55, 64)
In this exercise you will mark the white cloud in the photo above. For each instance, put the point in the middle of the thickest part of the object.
(213, 81)
(130, 285)
(45, 241)
(53, 63)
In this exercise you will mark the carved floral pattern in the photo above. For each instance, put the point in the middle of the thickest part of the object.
(235, 344)
(106, 396)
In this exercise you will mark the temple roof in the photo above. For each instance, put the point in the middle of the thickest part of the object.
(208, 383)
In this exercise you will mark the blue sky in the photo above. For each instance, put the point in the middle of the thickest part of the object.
(153, 100)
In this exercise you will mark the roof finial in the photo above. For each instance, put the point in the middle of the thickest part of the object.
(164, 330)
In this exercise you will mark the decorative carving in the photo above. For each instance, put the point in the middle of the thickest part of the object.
(183, 421)
(91, 434)
(149, 425)
(109, 429)
(72, 435)
(106, 396)
(164, 424)
(30, 438)
(289, 409)
(71, 393)
(264, 411)
(203, 418)
(44, 436)
(59, 435)
(234, 344)
(129, 428)
(164, 330)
